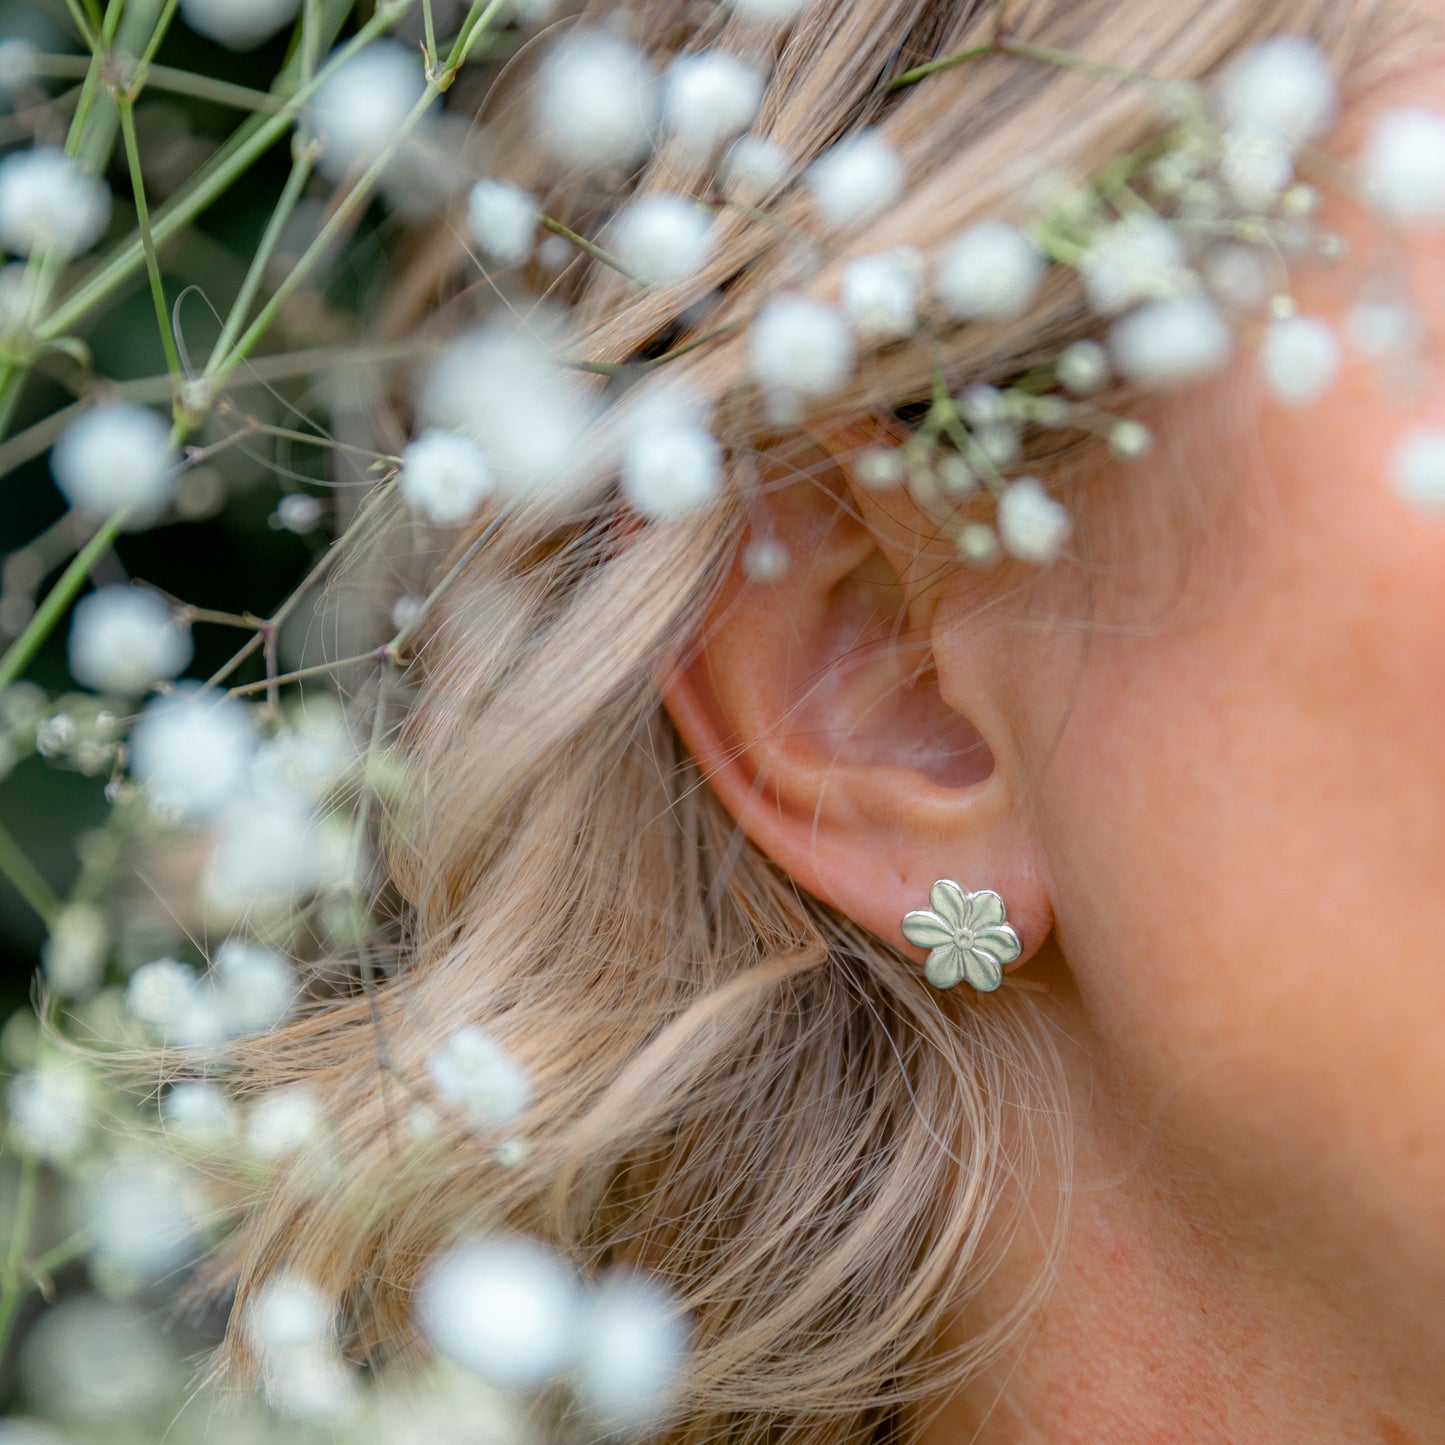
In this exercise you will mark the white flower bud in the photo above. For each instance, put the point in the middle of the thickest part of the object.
(505, 1308)
(445, 477)
(1167, 342)
(1032, 524)
(124, 640)
(1137, 259)
(1300, 358)
(1418, 468)
(1082, 367)
(595, 101)
(664, 238)
(988, 272)
(880, 293)
(710, 98)
(192, 750)
(49, 204)
(238, 26)
(880, 468)
(116, 455)
(503, 220)
(360, 108)
(1282, 84)
(1403, 166)
(755, 166)
(633, 1343)
(476, 1074)
(257, 988)
(198, 1113)
(857, 179)
(671, 469)
(51, 1108)
(800, 346)
(282, 1122)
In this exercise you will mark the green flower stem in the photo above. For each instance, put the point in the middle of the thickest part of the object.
(25, 878)
(944, 62)
(1067, 60)
(87, 25)
(429, 26)
(478, 21)
(301, 168)
(143, 222)
(220, 366)
(20, 652)
(64, 1253)
(15, 1285)
(245, 147)
(171, 80)
(320, 669)
(158, 33)
(591, 248)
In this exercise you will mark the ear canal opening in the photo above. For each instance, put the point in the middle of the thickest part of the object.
(944, 746)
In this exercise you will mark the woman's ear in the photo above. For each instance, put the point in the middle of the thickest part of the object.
(814, 705)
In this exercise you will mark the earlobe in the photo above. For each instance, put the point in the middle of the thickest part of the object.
(812, 706)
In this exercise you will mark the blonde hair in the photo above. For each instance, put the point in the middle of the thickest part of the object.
(736, 1087)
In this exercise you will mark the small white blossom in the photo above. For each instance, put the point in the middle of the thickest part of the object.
(1300, 358)
(1031, 524)
(1256, 165)
(1137, 259)
(282, 1122)
(664, 238)
(17, 63)
(477, 1074)
(880, 468)
(670, 470)
(1238, 275)
(595, 102)
(955, 477)
(306, 759)
(74, 954)
(50, 1108)
(124, 640)
(445, 477)
(1167, 342)
(1418, 467)
(1282, 84)
(988, 272)
(505, 1308)
(710, 98)
(257, 987)
(982, 405)
(503, 220)
(999, 441)
(297, 512)
(800, 346)
(142, 1218)
(49, 204)
(1130, 440)
(1403, 165)
(192, 751)
(238, 26)
(766, 560)
(1377, 329)
(880, 293)
(1082, 367)
(755, 166)
(857, 179)
(159, 992)
(116, 455)
(633, 1344)
(289, 1313)
(269, 850)
(198, 1113)
(359, 110)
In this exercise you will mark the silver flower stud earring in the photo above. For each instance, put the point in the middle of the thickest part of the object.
(968, 933)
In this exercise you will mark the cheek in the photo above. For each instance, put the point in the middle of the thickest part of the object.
(1244, 828)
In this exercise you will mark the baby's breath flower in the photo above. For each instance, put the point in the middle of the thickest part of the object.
(980, 404)
(17, 63)
(505, 1308)
(74, 954)
(633, 1342)
(1171, 341)
(664, 238)
(257, 987)
(595, 100)
(288, 1313)
(880, 468)
(955, 477)
(710, 98)
(755, 166)
(1031, 524)
(125, 640)
(1377, 329)
(1136, 259)
(192, 750)
(1082, 367)
(800, 346)
(198, 1113)
(1300, 358)
(671, 469)
(51, 1108)
(1403, 165)
(359, 109)
(474, 1072)
(116, 455)
(282, 1122)
(142, 1218)
(857, 179)
(1418, 467)
(978, 544)
(773, 12)
(238, 26)
(1284, 85)
(48, 203)
(880, 293)
(1256, 165)
(158, 992)
(1130, 440)
(1237, 274)
(297, 512)
(766, 560)
(445, 477)
(988, 272)
(503, 220)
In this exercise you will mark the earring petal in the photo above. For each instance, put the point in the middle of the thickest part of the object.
(986, 909)
(950, 902)
(1000, 944)
(926, 929)
(981, 971)
(944, 967)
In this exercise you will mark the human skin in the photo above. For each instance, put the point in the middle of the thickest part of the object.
(1215, 813)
